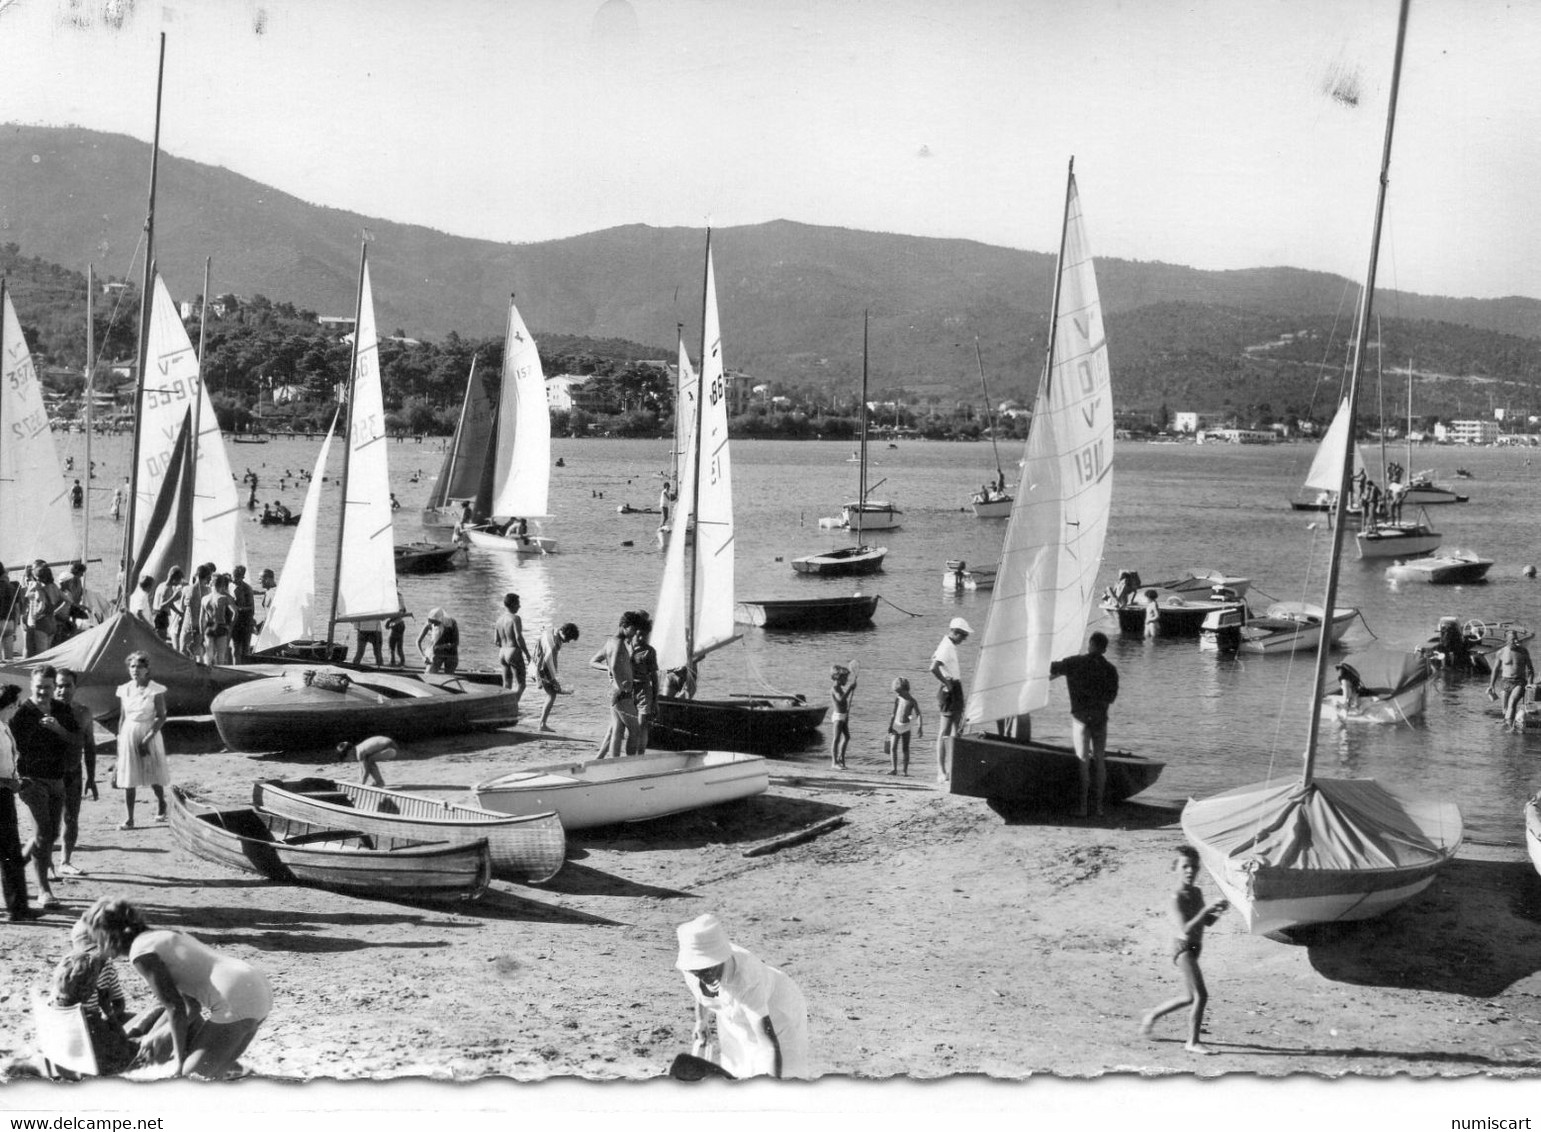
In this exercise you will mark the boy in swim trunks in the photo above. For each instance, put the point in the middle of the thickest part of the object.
(906, 717)
(1192, 917)
(840, 713)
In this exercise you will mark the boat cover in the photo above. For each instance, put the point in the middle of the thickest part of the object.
(99, 657)
(1331, 825)
(1385, 672)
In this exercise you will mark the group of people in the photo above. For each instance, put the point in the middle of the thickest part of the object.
(36, 612)
(210, 618)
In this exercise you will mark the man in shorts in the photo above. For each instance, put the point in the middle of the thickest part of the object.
(513, 653)
(1092, 682)
(1512, 665)
(948, 670)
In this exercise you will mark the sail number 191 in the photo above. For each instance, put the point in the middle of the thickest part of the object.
(1091, 461)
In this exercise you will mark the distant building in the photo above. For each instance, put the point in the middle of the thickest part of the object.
(566, 392)
(1467, 432)
(1191, 423)
(336, 323)
(1240, 435)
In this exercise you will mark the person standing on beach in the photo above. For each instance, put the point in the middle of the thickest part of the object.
(1191, 917)
(245, 624)
(141, 750)
(443, 653)
(1512, 664)
(45, 751)
(513, 653)
(906, 715)
(948, 670)
(615, 659)
(840, 694)
(1092, 682)
(761, 1015)
(644, 681)
(396, 634)
(81, 776)
(547, 647)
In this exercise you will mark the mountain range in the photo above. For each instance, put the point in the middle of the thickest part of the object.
(792, 294)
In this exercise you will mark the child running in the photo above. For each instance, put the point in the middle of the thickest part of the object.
(905, 717)
(840, 712)
(1193, 916)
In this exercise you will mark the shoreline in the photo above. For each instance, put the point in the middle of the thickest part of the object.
(931, 938)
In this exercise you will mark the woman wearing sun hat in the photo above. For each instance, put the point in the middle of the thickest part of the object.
(444, 653)
(762, 1017)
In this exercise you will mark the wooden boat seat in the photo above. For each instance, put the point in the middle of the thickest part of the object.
(339, 837)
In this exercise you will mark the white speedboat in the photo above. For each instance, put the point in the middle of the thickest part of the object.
(1452, 568)
(634, 788)
(1290, 625)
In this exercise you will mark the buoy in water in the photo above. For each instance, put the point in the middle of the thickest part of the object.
(628, 542)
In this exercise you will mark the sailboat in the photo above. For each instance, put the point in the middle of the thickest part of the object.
(308, 708)
(1309, 850)
(520, 482)
(1326, 471)
(1047, 578)
(991, 500)
(861, 515)
(694, 615)
(466, 460)
(35, 520)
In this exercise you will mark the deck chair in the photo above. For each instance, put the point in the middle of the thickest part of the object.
(63, 1039)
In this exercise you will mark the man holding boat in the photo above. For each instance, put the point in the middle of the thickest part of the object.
(948, 670)
(1092, 682)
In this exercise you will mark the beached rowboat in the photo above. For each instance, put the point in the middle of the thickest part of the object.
(636, 788)
(528, 847)
(301, 852)
(1046, 775)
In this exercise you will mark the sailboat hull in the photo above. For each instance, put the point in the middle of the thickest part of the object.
(1039, 775)
(529, 544)
(999, 508)
(809, 613)
(284, 713)
(1397, 540)
(871, 516)
(847, 561)
(754, 726)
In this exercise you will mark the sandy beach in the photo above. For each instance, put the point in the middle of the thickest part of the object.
(931, 937)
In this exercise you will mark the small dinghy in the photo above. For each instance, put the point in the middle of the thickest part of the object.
(809, 613)
(846, 560)
(1385, 686)
(344, 860)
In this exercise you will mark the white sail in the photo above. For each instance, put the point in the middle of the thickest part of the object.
(366, 583)
(523, 471)
(35, 520)
(1326, 472)
(292, 614)
(706, 496)
(669, 616)
(170, 386)
(1046, 583)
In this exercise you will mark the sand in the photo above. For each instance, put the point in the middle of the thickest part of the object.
(931, 937)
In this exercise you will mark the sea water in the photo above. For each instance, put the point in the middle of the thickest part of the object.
(1217, 721)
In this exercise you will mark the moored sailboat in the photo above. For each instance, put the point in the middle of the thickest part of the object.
(695, 610)
(465, 461)
(1308, 850)
(1046, 583)
(991, 501)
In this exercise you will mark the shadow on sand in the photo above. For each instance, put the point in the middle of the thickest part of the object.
(733, 823)
(1125, 815)
(1473, 932)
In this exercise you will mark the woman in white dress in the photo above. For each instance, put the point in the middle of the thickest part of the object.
(141, 750)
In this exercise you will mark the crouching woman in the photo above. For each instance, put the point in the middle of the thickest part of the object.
(189, 978)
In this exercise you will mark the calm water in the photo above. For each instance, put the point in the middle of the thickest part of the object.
(1217, 721)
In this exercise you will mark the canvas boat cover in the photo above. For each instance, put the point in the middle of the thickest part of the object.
(1385, 672)
(1329, 825)
(99, 656)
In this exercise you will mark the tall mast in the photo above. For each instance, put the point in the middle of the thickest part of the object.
(693, 544)
(1059, 274)
(1340, 508)
(127, 583)
(85, 535)
(989, 416)
(203, 327)
(861, 495)
(1409, 472)
(347, 448)
(1380, 396)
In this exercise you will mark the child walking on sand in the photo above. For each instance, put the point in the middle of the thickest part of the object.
(1192, 917)
(906, 717)
(840, 712)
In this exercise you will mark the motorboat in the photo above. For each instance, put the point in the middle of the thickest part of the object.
(1423, 491)
(1174, 615)
(1466, 647)
(1450, 568)
(1288, 626)
(959, 576)
(1385, 686)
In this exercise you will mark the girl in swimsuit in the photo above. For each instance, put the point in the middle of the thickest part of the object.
(840, 712)
(1192, 917)
(906, 717)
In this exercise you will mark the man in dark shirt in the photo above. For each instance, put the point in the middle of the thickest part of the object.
(1092, 682)
(245, 615)
(45, 752)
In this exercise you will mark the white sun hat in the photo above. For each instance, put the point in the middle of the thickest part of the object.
(703, 943)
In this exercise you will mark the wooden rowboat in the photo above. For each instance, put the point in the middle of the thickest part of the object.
(528, 847)
(345, 860)
(755, 725)
(846, 560)
(636, 788)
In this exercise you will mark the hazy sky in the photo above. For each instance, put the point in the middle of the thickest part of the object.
(1205, 132)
